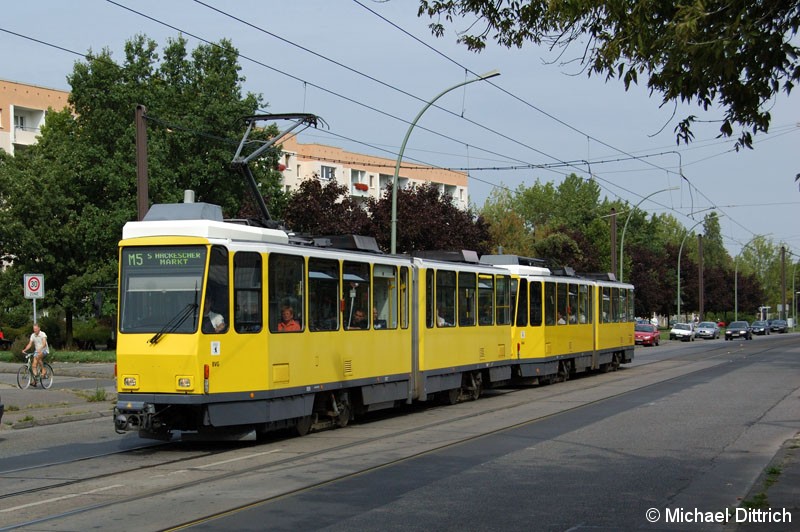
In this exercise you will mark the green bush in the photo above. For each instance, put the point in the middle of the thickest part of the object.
(89, 334)
(51, 325)
(16, 348)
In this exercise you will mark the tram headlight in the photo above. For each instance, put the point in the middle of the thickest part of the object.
(184, 383)
(130, 382)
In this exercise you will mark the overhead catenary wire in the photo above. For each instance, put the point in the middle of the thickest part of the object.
(524, 165)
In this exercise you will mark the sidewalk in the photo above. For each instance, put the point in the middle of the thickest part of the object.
(777, 489)
(79, 391)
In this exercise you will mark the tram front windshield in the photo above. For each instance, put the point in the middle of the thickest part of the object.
(161, 286)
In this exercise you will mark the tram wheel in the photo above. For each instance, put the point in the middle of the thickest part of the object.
(345, 412)
(304, 425)
(450, 397)
(476, 386)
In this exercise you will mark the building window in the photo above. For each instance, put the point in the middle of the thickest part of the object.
(327, 173)
(19, 121)
(357, 176)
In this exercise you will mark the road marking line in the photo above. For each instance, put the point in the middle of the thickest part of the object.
(237, 459)
(61, 498)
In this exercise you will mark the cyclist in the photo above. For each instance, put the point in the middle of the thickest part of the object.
(39, 342)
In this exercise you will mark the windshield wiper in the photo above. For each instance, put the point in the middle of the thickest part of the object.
(173, 324)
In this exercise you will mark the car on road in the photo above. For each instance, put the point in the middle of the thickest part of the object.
(779, 326)
(760, 327)
(708, 330)
(738, 329)
(646, 334)
(682, 331)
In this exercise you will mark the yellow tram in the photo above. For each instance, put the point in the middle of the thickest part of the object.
(226, 329)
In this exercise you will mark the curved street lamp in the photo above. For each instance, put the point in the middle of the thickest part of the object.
(628, 219)
(680, 250)
(482, 77)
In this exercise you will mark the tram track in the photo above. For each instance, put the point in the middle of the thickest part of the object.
(112, 493)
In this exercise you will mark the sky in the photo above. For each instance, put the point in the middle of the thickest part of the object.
(368, 67)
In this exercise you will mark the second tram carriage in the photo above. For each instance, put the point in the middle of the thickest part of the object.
(432, 327)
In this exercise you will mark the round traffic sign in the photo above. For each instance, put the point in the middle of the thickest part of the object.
(34, 285)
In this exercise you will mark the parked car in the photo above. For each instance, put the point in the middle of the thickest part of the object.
(779, 326)
(646, 334)
(738, 329)
(708, 330)
(720, 324)
(760, 327)
(682, 331)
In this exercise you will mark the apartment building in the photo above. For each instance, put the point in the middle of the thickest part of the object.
(364, 175)
(22, 111)
(23, 108)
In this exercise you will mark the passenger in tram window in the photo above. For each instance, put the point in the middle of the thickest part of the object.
(376, 323)
(359, 320)
(561, 320)
(288, 323)
(440, 319)
(213, 322)
(486, 315)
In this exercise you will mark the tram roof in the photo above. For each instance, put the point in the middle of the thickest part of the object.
(199, 220)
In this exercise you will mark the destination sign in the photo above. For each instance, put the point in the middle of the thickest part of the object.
(164, 257)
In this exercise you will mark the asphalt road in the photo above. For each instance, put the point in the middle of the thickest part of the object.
(603, 453)
(693, 443)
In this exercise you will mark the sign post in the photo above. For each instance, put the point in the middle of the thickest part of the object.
(34, 289)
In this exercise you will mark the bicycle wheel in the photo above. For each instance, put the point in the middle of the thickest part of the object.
(47, 376)
(23, 377)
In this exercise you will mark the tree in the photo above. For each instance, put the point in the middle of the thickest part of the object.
(325, 210)
(735, 54)
(67, 197)
(427, 219)
(508, 230)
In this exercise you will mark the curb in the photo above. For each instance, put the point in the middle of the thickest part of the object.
(58, 419)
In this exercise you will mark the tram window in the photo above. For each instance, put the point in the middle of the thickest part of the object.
(614, 305)
(446, 298)
(572, 303)
(514, 291)
(404, 295)
(606, 312)
(384, 298)
(503, 300)
(466, 298)
(323, 294)
(522, 303)
(631, 309)
(216, 300)
(356, 287)
(536, 303)
(561, 303)
(549, 303)
(486, 299)
(430, 303)
(247, 292)
(624, 305)
(584, 304)
(156, 292)
(286, 292)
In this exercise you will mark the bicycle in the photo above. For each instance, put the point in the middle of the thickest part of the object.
(25, 374)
